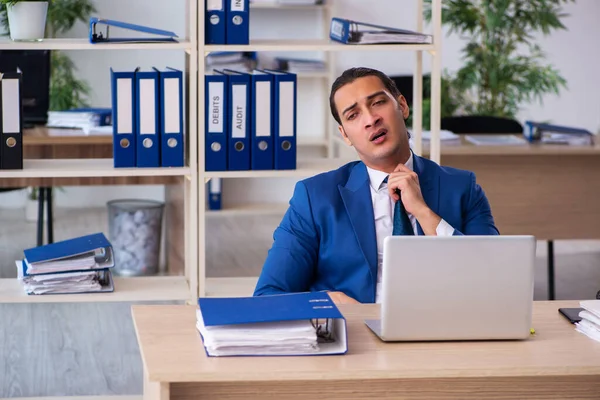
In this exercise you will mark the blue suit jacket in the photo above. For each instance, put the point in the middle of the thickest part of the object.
(327, 241)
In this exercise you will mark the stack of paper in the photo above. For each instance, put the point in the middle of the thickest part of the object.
(288, 324)
(82, 118)
(78, 265)
(266, 338)
(590, 319)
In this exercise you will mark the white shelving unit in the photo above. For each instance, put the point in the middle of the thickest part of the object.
(156, 288)
(244, 285)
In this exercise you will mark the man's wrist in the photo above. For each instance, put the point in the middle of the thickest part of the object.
(428, 220)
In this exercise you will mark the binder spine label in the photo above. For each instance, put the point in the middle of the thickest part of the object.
(215, 98)
(286, 109)
(239, 111)
(237, 5)
(124, 106)
(212, 5)
(147, 107)
(10, 106)
(263, 111)
(172, 111)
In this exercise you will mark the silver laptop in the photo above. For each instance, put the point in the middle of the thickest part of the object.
(456, 288)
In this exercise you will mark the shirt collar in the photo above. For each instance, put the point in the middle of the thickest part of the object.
(376, 177)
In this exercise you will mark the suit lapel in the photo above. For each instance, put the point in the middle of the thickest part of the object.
(356, 195)
(429, 182)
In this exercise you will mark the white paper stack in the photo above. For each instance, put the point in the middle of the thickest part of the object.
(68, 282)
(265, 338)
(590, 319)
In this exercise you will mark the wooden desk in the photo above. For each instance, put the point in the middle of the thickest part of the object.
(548, 191)
(556, 363)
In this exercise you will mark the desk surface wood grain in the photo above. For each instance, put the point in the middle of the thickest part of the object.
(172, 351)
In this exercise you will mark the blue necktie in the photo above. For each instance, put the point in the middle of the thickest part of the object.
(402, 225)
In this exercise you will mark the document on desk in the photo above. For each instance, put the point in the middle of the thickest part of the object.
(276, 325)
(590, 319)
(495, 140)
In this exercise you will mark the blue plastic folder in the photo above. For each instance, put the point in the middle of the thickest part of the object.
(98, 37)
(247, 325)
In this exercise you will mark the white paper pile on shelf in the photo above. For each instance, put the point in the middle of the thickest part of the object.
(86, 119)
(590, 319)
(80, 265)
(243, 61)
(297, 66)
(300, 2)
(265, 338)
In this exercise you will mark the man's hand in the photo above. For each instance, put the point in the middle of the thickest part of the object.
(341, 298)
(407, 182)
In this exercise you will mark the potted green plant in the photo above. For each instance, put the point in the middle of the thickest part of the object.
(26, 19)
(504, 67)
(66, 90)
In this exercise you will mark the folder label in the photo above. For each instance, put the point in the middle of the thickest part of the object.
(124, 106)
(237, 5)
(337, 28)
(263, 115)
(147, 107)
(10, 106)
(171, 91)
(239, 109)
(215, 94)
(286, 109)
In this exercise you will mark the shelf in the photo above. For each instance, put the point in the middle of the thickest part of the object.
(305, 168)
(249, 209)
(277, 6)
(230, 287)
(76, 168)
(315, 45)
(84, 44)
(147, 288)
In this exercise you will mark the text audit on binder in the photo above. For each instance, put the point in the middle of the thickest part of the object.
(277, 325)
(78, 265)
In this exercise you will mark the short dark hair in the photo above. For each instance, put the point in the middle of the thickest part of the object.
(349, 76)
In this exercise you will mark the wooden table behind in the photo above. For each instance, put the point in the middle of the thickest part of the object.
(556, 363)
(549, 191)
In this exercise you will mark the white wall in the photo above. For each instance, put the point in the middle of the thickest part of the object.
(574, 52)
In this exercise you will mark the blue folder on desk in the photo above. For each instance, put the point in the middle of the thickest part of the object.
(241, 324)
(99, 37)
(556, 134)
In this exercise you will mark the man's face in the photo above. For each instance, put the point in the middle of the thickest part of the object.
(372, 120)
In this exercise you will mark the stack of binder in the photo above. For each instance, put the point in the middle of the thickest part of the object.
(11, 120)
(79, 265)
(276, 325)
(539, 132)
(353, 32)
(251, 120)
(227, 22)
(147, 114)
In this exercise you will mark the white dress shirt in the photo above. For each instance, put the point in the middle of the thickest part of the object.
(383, 210)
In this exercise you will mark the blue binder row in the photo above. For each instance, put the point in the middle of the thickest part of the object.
(147, 114)
(250, 120)
(227, 22)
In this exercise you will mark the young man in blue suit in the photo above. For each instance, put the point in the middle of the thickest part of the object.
(331, 237)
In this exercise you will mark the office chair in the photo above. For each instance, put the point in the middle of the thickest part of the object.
(480, 124)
